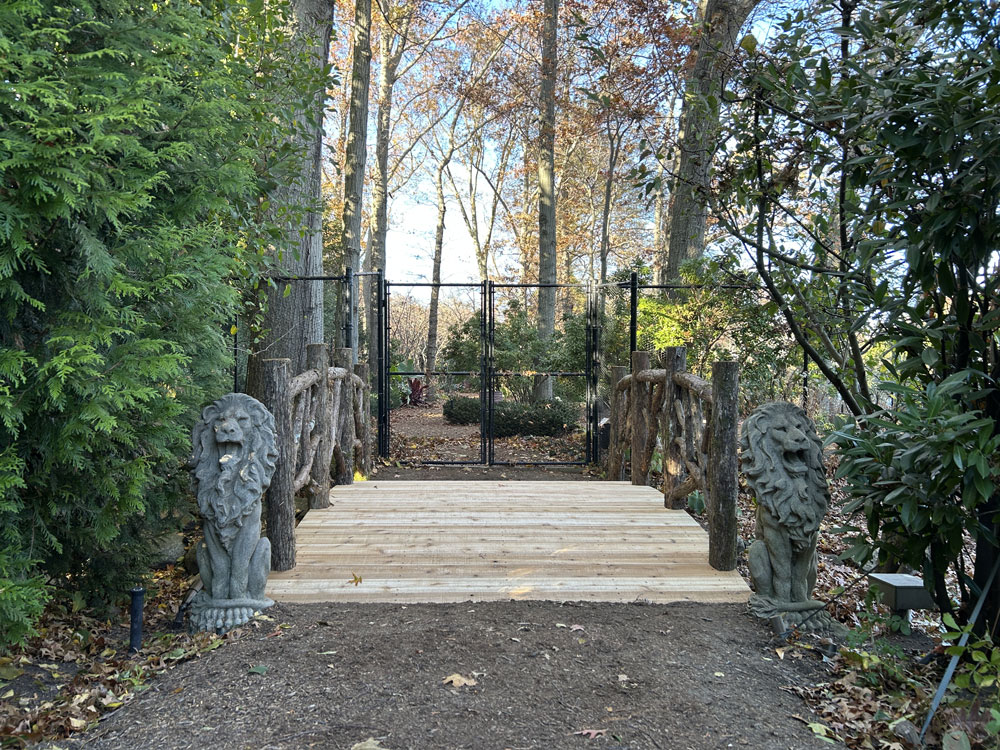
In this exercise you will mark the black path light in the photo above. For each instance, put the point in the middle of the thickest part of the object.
(135, 616)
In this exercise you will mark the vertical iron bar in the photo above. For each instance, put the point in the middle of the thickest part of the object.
(595, 376)
(349, 299)
(483, 343)
(380, 361)
(587, 365)
(633, 321)
(388, 367)
(491, 369)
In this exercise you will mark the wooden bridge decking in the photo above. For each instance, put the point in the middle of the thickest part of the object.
(440, 541)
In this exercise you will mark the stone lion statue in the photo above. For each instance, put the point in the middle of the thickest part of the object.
(782, 458)
(233, 462)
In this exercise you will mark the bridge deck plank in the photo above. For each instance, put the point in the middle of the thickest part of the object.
(485, 541)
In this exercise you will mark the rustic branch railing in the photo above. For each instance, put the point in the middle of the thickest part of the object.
(696, 421)
(322, 425)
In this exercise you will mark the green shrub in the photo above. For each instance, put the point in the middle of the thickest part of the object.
(132, 177)
(549, 418)
(462, 410)
(22, 598)
(511, 418)
(919, 474)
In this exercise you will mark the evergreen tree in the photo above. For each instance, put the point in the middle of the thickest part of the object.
(133, 165)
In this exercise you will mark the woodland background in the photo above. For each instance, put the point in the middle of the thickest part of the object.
(164, 166)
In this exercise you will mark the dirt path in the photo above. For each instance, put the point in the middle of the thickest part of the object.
(679, 676)
(420, 433)
(330, 676)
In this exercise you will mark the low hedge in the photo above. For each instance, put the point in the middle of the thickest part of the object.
(461, 410)
(509, 418)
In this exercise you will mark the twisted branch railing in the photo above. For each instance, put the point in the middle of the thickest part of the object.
(322, 428)
(694, 421)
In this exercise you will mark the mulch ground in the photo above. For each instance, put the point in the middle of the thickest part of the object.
(475, 675)
(541, 675)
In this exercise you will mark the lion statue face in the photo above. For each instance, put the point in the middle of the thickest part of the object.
(234, 459)
(783, 459)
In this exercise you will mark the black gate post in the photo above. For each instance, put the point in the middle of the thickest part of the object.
(383, 412)
(588, 364)
(633, 319)
(491, 387)
(483, 374)
(593, 374)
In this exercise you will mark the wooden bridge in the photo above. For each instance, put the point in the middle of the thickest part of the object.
(413, 541)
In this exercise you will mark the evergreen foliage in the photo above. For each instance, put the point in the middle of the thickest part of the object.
(133, 168)
(510, 418)
(864, 180)
(462, 410)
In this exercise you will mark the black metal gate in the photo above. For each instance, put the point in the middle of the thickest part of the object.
(489, 376)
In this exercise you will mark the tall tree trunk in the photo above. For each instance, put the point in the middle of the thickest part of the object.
(392, 43)
(614, 142)
(567, 296)
(664, 196)
(614, 147)
(659, 246)
(546, 188)
(294, 320)
(722, 21)
(355, 151)
(430, 357)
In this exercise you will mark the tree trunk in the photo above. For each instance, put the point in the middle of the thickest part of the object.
(546, 189)
(355, 150)
(641, 403)
(432, 313)
(723, 467)
(659, 246)
(293, 321)
(279, 512)
(614, 147)
(392, 42)
(688, 214)
(318, 356)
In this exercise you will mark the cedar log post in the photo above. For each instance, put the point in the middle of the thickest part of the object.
(317, 358)
(723, 467)
(616, 453)
(281, 494)
(344, 357)
(674, 361)
(364, 461)
(641, 404)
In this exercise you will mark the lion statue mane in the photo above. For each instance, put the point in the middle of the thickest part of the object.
(232, 463)
(782, 458)
(228, 490)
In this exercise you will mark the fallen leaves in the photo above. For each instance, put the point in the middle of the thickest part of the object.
(77, 668)
(9, 672)
(457, 680)
(592, 733)
(370, 744)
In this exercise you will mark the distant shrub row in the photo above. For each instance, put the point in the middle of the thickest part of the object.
(509, 418)
(461, 410)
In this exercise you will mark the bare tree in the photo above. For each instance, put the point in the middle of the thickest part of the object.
(546, 188)
(355, 150)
